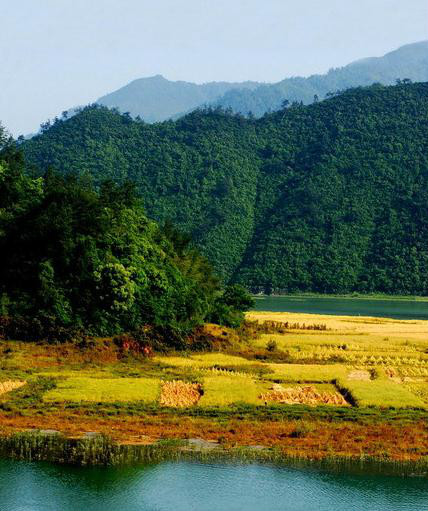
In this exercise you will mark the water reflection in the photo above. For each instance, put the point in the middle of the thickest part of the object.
(400, 309)
(202, 487)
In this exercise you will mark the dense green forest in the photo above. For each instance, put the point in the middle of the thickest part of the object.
(330, 197)
(75, 259)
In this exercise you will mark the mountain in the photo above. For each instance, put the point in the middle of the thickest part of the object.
(329, 197)
(156, 98)
(409, 61)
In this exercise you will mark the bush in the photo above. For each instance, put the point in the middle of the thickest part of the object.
(42, 327)
(229, 308)
(271, 345)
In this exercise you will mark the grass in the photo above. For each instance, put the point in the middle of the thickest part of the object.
(103, 450)
(420, 389)
(205, 360)
(380, 392)
(227, 390)
(306, 373)
(106, 390)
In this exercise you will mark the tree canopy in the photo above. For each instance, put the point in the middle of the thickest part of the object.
(329, 197)
(83, 259)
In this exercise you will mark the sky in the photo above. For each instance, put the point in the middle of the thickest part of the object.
(56, 54)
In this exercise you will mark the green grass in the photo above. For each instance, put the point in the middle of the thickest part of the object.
(382, 393)
(107, 390)
(225, 390)
(307, 373)
(205, 360)
(420, 389)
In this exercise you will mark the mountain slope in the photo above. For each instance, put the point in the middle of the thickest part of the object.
(156, 98)
(328, 197)
(409, 61)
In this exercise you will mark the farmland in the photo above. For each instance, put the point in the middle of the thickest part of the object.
(308, 376)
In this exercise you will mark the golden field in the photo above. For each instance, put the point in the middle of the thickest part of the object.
(370, 361)
(350, 377)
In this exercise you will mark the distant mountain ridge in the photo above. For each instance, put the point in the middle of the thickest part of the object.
(156, 98)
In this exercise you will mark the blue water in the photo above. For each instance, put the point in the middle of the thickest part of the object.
(188, 486)
(393, 308)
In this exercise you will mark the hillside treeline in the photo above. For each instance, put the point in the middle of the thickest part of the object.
(330, 197)
(75, 260)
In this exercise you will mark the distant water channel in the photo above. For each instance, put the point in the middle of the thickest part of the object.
(387, 308)
(186, 486)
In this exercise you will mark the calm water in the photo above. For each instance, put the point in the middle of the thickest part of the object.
(400, 309)
(202, 487)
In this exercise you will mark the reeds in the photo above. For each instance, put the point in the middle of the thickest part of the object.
(101, 450)
(96, 450)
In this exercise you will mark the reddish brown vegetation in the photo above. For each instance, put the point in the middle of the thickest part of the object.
(319, 439)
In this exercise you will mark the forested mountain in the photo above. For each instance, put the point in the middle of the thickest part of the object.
(410, 61)
(330, 197)
(157, 99)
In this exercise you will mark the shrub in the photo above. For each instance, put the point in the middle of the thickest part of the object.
(271, 345)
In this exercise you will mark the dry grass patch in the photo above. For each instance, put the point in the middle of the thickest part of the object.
(7, 386)
(359, 375)
(404, 330)
(306, 395)
(180, 394)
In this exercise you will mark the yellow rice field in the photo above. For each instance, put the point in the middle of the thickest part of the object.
(371, 362)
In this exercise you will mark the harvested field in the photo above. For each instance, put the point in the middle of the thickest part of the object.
(7, 386)
(180, 394)
(306, 395)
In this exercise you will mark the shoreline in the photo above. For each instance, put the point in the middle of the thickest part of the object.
(346, 296)
(99, 450)
(398, 438)
(76, 396)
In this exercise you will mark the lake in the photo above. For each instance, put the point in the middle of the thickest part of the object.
(387, 308)
(186, 486)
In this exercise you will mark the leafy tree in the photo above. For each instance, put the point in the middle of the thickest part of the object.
(74, 258)
(230, 306)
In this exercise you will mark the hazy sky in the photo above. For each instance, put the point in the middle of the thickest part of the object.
(55, 54)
